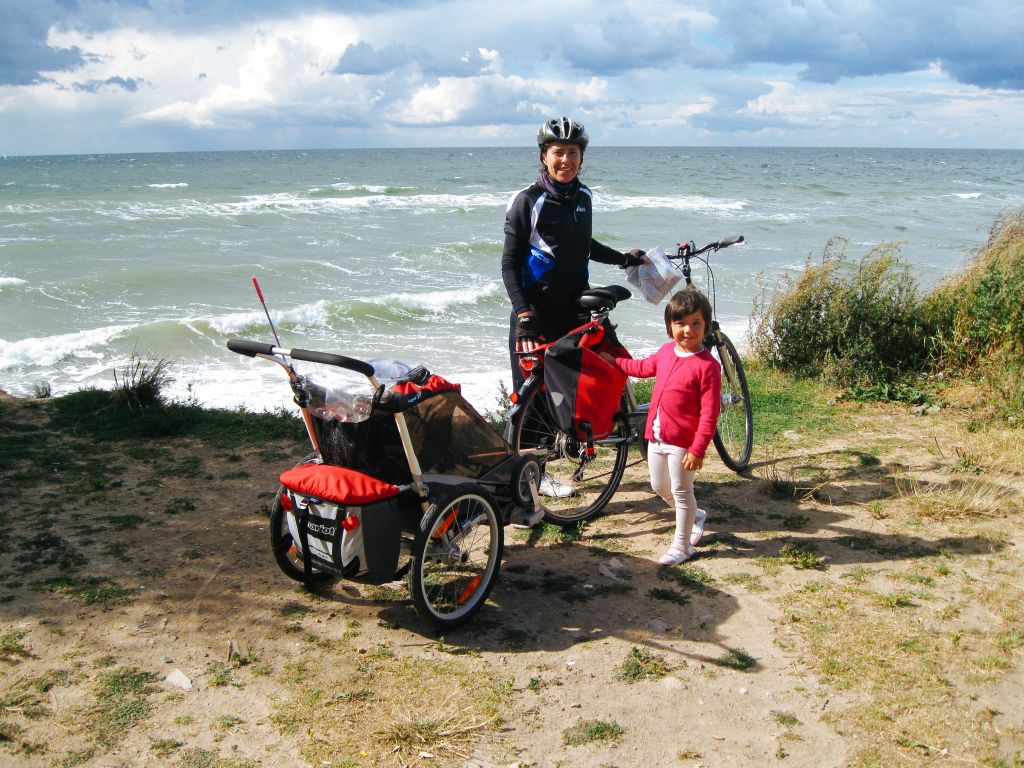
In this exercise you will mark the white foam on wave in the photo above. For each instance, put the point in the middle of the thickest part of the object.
(7, 281)
(697, 203)
(292, 202)
(342, 186)
(48, 350)
(440, 301)
(967, 195)
(305, 314)
(169, 185)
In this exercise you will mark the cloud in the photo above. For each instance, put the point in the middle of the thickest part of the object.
(24, 51)
(362, 58)
(447, 71)
(976, 43)
(92, 86)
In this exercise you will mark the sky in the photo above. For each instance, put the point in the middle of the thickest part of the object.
(85, 76)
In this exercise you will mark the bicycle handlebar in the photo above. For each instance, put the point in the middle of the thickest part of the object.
(254, 348)
(687, 250)
(250, 348)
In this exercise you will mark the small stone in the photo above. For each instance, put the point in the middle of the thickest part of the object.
(179, 679)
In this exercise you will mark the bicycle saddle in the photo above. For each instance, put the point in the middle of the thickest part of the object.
(602, 298)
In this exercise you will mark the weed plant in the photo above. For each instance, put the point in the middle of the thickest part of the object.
(142, 382)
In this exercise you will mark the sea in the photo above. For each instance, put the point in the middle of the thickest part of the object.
(394, 254)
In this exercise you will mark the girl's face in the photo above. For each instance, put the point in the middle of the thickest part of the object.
(562, 161)
(689, 332)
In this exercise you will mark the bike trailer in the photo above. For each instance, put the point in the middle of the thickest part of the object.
(448, 436)
(583, 389)
(347, 521)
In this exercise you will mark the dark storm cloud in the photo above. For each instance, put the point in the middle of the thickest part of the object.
(24, 54)
(978, 43)
(92, 86)
(364, 59)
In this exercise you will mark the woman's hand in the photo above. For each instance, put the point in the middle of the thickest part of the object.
(527, 337)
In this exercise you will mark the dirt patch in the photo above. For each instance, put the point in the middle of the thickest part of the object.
(144, 621)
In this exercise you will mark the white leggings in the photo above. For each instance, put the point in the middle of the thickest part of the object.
(675, 485)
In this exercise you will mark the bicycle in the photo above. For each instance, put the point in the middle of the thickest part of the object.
(734, 437)
(581, 476)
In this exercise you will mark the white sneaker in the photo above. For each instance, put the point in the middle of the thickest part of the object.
(698, 528)
(556, 490)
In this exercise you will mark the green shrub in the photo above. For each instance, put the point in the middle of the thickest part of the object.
(849, 323)
(865, 326)
(978, 315)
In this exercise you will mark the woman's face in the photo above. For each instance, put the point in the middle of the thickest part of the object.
(562, 161)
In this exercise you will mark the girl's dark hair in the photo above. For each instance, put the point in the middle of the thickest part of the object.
(685, 303)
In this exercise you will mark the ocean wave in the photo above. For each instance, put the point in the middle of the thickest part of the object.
(169, 185)
(355, 190)
(48, 350)
(696, 203)
(967, 195)
(297, 203)
(438, 302)
(305, 314)
(9, 281)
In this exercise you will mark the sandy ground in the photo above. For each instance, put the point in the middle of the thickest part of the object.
(195, 558)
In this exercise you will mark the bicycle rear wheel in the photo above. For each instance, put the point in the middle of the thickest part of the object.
(734, 437)
(574, 486)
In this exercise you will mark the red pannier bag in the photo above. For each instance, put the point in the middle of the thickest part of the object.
(583, 389)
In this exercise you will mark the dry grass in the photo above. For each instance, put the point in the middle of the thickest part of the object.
(395, 710)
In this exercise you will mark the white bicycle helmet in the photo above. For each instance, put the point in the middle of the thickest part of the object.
(563, 129)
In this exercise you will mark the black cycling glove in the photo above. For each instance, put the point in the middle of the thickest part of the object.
(634, 258)
(526, 327)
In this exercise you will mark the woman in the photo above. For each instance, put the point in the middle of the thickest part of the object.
(548, 244)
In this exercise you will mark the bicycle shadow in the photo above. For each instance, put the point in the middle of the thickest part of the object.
(555, 595)
(562, 597)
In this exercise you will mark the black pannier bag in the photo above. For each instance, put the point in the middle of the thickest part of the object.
(583, 389)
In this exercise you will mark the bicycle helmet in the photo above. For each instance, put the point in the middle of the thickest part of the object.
(563, 129)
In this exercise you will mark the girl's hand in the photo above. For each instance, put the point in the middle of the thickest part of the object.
(692, 463)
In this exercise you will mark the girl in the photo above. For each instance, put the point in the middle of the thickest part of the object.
(683, 412)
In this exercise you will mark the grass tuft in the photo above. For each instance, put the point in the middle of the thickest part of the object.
(588, 731)
(640, 664)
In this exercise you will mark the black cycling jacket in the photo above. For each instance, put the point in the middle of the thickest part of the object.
(548, 244)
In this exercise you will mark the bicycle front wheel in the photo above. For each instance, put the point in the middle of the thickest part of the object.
(574, 487)
(734, 437)
(456, 556)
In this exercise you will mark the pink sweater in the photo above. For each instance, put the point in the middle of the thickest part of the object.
(687, 393)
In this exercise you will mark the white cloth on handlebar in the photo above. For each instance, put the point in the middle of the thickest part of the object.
(655, 277)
